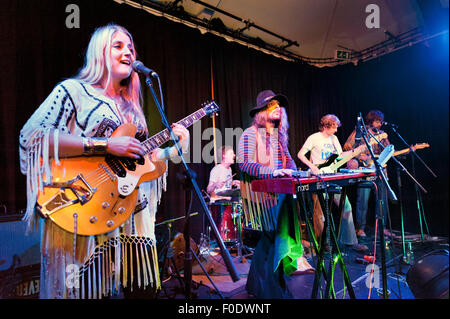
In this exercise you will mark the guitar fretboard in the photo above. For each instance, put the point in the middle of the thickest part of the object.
(164, 136)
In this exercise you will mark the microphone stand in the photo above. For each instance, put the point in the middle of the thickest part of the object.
(400, 168)
(412, 151)
(384, 187)
(190, 176)
(418, 194)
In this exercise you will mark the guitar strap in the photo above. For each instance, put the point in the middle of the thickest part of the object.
(332, 142)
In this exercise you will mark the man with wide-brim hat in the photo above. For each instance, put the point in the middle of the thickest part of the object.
(263, 153)
(264, 97)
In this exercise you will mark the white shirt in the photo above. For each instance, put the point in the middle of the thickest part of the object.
(321, 147)
(221, 174)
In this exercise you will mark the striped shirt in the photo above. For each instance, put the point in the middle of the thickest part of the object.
(260, 153)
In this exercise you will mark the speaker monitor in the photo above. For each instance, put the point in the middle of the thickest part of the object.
(19, 260)
(428, 277)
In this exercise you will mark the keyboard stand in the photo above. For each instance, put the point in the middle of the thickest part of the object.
(336, 256)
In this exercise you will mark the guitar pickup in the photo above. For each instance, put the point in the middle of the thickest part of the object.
(128, 163)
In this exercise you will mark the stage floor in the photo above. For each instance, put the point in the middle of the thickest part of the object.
(301, 286)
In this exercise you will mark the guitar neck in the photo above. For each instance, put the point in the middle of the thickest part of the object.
(403, 151)
(407, 150)
(345, 159)
(164, 136)
(356, 152)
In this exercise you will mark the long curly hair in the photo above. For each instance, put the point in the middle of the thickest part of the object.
(260, 120)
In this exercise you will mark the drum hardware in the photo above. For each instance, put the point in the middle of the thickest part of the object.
(228, 218)
(169, 254)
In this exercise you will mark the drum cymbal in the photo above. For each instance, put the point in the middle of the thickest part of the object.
(229, 192)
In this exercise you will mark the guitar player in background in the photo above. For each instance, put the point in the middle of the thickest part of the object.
(321, 146)
(373, 120)
(76, 120)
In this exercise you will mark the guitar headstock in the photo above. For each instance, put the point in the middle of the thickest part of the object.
(210, 107)
(420, 146)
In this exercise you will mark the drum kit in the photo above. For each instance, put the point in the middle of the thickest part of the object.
(226, 210)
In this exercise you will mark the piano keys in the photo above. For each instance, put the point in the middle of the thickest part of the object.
(292, 185)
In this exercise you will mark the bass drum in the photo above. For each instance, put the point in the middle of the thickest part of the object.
(226, 215)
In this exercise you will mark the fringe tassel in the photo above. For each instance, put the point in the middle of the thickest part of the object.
(125, 267)
(56, 146)
(156, 267)
(82, 286)
(138, 264)
(102, 275)
(111, 270)
(131, 270)
(38, 163)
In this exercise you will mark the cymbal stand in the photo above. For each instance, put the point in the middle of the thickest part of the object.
(420, 209)
(401, 168)
(168, 255)
(240, 243)
(418, 194)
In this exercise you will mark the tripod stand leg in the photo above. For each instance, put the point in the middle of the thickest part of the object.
(320, 268)
(329, 289)
(399, 185)
(207, 275)
(419, 206)
(336, 257)
(380, 216)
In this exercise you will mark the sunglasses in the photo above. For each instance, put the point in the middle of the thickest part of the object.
(272, 104)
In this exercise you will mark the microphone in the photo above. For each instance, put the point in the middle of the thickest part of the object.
(389, 124)
(358, 130)
(139, 67)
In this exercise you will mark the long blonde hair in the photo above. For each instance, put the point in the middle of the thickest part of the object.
(98, 62)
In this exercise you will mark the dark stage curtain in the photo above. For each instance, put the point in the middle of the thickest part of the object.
(410, 86)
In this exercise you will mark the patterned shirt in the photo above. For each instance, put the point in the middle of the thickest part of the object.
(261, 153)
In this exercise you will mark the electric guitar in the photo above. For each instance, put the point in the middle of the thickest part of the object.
(333, 163)
(405, 151)
(97, 194)
(369, 162)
